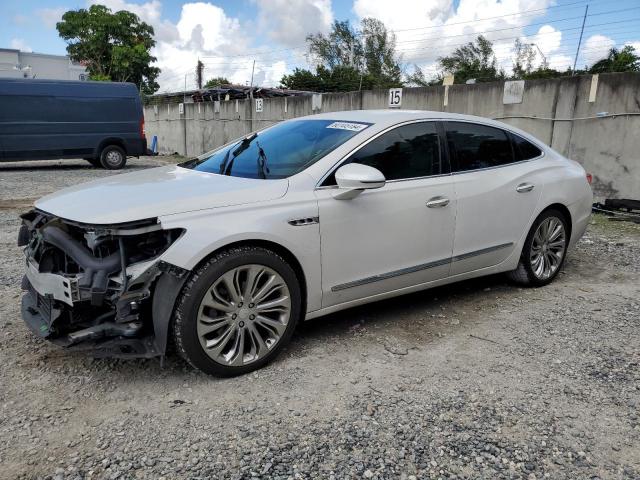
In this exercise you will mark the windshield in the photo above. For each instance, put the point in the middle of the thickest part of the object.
(278, 152)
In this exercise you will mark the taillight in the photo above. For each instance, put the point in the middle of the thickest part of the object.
(589, 178)
(142, 132)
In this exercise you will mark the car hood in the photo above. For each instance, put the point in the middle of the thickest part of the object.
(155, 192)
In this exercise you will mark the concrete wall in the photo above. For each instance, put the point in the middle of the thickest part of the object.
(557, 111)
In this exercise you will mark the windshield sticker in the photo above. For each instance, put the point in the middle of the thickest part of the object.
(354, 127)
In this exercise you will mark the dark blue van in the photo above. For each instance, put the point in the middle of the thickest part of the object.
(101, 122)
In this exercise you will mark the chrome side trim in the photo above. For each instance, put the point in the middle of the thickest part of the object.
(417, 268)
(395, 273)
(300, 222)
(464, 256)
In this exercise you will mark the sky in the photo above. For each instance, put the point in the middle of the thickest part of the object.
(228, 35)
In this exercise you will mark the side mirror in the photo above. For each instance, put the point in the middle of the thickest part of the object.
(354, 178)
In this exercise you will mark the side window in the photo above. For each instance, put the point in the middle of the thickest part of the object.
(476, 146)
(524, 149)
(405, 152)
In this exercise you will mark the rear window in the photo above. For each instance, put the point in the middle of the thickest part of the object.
(278, 152)
(524, 149)
(477, 146)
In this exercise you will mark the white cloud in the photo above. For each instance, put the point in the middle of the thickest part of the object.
(288, 22)
(635, 45)
(596, 48)
(20, 44)
(20, 20)
(428, 29)
(149, 12)
(204, 31)
(50, 16)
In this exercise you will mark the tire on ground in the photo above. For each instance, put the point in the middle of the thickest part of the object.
(184, 323)
(94, 161)
(523, 274)
(113, 157)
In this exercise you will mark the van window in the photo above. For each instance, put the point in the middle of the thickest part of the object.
(475, 146)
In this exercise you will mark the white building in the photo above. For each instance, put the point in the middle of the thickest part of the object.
(17, 64)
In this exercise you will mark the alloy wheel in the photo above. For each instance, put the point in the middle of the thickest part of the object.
(243, 315)
(114, 158)
(547, 248)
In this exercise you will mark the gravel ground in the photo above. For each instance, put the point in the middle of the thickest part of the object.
(475, 380)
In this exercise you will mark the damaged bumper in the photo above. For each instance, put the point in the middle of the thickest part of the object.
(94, 287)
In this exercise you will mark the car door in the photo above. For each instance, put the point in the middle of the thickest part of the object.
(497, 192)
(396, 236)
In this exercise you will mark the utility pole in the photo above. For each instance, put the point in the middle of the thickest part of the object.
(199, 73)
(575, 61)
(184, 92)
(251, 84)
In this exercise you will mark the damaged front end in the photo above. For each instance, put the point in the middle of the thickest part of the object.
(90, 287)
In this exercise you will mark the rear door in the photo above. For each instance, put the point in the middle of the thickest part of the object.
(497, 190)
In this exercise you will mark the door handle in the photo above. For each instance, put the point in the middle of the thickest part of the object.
(438, 202)
(524, 187)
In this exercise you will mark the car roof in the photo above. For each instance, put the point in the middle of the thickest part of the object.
(383, 119)
(394, 116)
(66, 88)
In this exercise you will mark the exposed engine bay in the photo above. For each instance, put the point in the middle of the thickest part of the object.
(91, 286)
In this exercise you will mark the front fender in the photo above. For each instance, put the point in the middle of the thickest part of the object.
(209, 231)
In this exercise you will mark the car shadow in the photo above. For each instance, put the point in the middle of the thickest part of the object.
(396, 312)
(391, 317)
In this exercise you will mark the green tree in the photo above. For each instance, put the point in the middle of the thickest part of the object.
(624, 60)
(475, 60)
(216, 82)
(113, 46)
(524, 57)
(418, 79)
(348, 59)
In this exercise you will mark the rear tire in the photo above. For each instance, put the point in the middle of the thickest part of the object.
(544, 250)
(113, 157)
(94, 161)
(237, 311)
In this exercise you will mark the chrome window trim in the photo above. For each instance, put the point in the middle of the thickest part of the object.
(519, 162)
(418, 268)
(461, 172)
(339, 163)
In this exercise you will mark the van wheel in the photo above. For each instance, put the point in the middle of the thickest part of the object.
(113, 157)
(94, 161)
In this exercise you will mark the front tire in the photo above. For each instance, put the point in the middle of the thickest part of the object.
(237, 311)
(113, 157)
(544, 250)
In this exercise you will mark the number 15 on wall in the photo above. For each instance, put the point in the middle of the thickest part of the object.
(395, 97)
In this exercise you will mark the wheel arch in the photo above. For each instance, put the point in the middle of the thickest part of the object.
(168, 287)
(110, 141)
(275, 247)
(562, 209)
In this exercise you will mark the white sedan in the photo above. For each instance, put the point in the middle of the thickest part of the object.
(224, 254)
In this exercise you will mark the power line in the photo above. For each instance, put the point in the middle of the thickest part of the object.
(474, 34)
(524, 12)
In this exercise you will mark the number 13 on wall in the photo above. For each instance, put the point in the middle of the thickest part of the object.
(395, 97)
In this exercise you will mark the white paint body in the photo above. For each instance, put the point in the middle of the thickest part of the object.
(378, 232)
